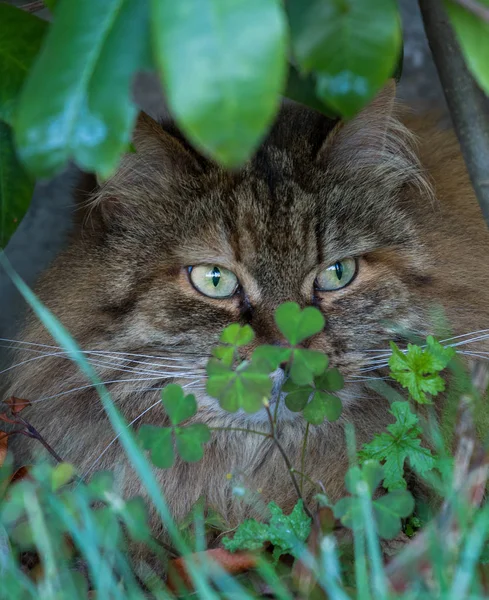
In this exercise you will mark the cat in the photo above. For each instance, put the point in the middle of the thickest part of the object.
(373, 221)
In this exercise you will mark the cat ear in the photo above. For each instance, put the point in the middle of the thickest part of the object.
(367, 136)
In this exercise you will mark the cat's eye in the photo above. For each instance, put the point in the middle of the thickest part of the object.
(213, 281)
(337, 275)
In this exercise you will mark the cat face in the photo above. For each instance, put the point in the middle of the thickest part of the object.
(324, 215)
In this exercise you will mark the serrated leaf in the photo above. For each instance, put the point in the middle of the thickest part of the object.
(81, 82)
(16, 187)
(297, 325)
(21, 34)
(237, 335)
(190, 441)
(417, 369)
(352, 46)
(178, 406)
(473, 36)
(250, 535)
(285, 532)
(306, 365)
(223, 67)
(399, 444)
(158, 440)
(246, 387)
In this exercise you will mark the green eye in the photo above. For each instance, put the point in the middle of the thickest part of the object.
(213, 281)
(337, 276)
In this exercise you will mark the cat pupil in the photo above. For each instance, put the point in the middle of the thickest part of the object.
(339, 270)
(215, 275)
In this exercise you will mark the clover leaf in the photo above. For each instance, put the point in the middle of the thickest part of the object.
(399, 443)
(245, 387)
(417, 369)
(233, 337)
(388, 510)
(297, 325)
(189, 440)
(315, 400)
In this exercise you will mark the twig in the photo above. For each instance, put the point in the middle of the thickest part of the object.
(468, 105)
(290, 468)
(33, 7)
(475, 8)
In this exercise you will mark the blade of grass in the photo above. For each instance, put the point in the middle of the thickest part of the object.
(126, 438)
(332, 570)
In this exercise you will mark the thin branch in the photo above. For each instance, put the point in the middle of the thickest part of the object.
(475, 8)
(468, 105)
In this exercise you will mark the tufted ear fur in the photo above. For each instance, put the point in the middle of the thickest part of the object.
(161, 153)
(376, 142)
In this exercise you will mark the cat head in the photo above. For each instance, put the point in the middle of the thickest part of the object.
(173, 248)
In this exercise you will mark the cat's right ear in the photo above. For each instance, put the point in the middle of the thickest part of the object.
(160, 155)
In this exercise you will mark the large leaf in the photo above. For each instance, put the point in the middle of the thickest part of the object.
(76, 101)
(473, 35)
(223, 66)
(352, 45)
(16, 187)
(21, 34)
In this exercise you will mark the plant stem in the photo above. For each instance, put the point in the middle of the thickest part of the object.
(316, 484)
(33, 433)
(262, 433)
(290, 468)
(468, 105)
(303, 455)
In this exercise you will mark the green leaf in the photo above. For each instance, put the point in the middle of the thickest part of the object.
(306, 364)
(297, 395)
(417, 369)
(158, 440)
(330, 381)
(21, 34)
(401, 442)
(352, 45)
(16, 187)
(250, 535)
(388, 511)
(223, 67)
(178, 406)
(322, 406)
(285, 532)
(190, 440)
(61, 475)
(246, 387)
(297, 325)
(473, 36)
(236, 335)
(274, 356)
(81, 86)
(135, 516)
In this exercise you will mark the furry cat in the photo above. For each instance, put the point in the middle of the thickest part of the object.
(373, 221)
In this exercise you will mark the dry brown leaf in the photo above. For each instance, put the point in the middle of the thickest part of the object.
(234, 563)
(3, 448)
(17, 404)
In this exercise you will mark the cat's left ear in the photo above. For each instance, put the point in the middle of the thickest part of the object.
(369, 135)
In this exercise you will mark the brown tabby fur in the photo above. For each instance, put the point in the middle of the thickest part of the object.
(314, 193)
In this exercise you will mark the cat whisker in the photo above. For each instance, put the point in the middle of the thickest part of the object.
(146, 410)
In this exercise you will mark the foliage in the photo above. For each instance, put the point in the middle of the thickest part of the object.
(388, 509)
(189, 439)
(417, 369)
(285, 532)
(399, 443)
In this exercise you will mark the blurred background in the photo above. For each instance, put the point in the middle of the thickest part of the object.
(45, 227)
